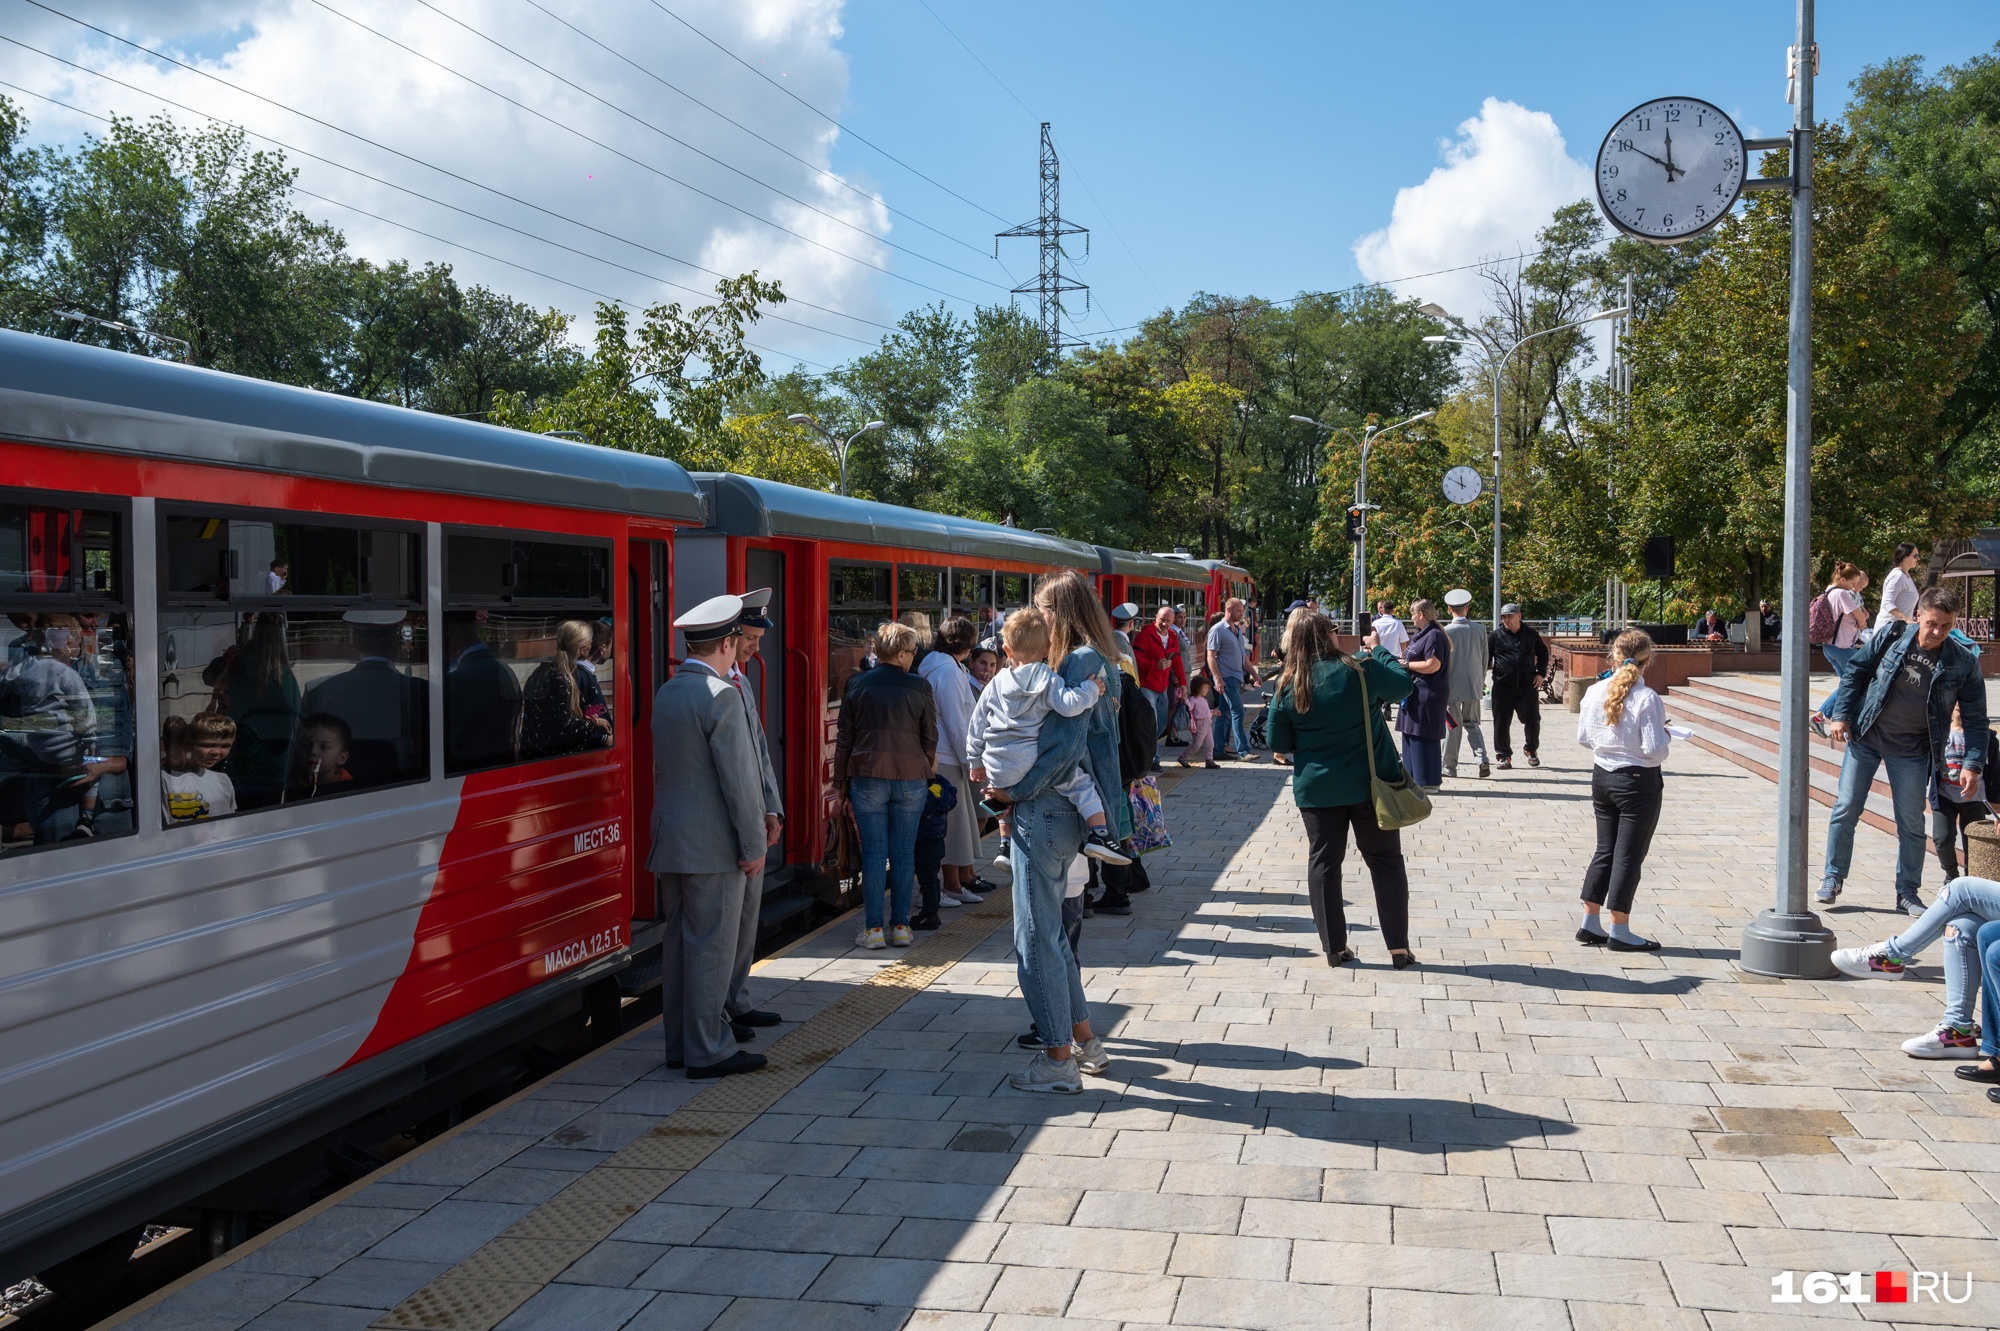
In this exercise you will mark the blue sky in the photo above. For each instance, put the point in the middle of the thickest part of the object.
(1241, 149)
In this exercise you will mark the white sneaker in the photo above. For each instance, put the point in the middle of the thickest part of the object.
(871, 939)
(900, 936)
(948, 900)
(1874, 962)
(1945, 1042)
(964, 896)
(1090, 1057)
(1046, 1074)
(1003, 860)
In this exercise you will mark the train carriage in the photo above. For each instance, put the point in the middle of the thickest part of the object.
(1151, 581)
(322, 758)
(839, 567)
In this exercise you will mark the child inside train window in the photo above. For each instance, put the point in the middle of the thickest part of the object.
(325, 746)
(191, 788)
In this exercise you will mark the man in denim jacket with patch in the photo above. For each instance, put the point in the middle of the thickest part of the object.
(1894, 711)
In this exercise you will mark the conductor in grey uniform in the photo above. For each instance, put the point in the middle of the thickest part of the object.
(708, 840)
(743, 1018)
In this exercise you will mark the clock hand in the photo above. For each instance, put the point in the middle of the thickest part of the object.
(1669, 163)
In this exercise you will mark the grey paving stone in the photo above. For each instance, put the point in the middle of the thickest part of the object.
(668, 1222)
(614, 1263)
(779, 1158)
(598, 1130)
(291, 1316)
(772, 1315)
(1255, 1305)
(326, 1240)
(449, 1232)
(371, 1282)
(573, 1307)
(536, 1116)
(550, 1157)
(719, 1187)
(464, 1158)
(679, 1312)
(800, 1231)
(226, 1299)
(936, 1201)
(905, 1282)
(1416, 1308)
(781, 1275)
(802, 1193)
(510, 1183)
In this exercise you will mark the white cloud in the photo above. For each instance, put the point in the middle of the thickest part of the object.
(1503, 175)
(300, 54)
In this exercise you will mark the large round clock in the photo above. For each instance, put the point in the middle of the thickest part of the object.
(1670, 169)
(1462, 485)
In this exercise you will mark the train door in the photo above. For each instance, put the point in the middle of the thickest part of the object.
(766, 568)
(646, 588)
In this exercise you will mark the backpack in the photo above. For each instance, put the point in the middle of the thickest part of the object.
(1821, 626)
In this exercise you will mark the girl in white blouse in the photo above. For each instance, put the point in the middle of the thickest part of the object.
(1624, 725)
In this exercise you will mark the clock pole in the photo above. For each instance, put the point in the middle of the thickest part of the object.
(1790, 940)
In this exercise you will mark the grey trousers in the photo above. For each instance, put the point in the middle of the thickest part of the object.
(703, 913)
(1467, 715)
(746, 947)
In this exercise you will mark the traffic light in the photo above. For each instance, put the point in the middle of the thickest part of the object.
(1356, 520)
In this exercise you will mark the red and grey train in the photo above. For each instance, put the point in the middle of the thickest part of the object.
(324, 748)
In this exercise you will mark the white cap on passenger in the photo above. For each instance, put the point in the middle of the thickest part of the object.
(717, 617)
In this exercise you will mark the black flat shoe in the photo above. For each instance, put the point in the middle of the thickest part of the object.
(1340, 958)
(1993, 1094)
(675, 1064)
(1644, 945)
(1402, 960)
(926, 923)
(1590, 939)
(743, 1032)
(740, 1061)
(1110, 905)
(1974, 1072)
(1029, 1039)
(758, 1017)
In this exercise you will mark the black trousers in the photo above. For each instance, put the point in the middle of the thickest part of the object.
(1382, 852)
(1948, 823)
(1508, 703)
(1627, 804)
(930, 886)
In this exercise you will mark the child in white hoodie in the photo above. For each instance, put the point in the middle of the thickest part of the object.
(1004, 734)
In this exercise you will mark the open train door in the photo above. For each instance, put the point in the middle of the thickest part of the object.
(766, 568)
(646, 663)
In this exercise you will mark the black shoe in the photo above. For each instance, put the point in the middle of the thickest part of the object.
(926, 922)
(1340, 958)
(1993, 1094)
(758, 1017)
(1212, 765)
(1099, 846)
(1402, 960)
(740, 1061)
(675, 1064)
(1975, 1072)
(1590, 937)
(1029, 1039)
(1157, 767)
(1113, 904)
(743, 1033)
(1643, 945)
(1910, 904)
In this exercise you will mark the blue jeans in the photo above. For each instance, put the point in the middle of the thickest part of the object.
(1987, 944)
(1235, 735)
(1908, 780)
(1962, 907)
(1160, 703)
(1837, 657)
(1423, 759)
(1046, 835)
(886, 813)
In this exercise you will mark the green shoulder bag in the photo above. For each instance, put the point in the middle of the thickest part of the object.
(1397, 803)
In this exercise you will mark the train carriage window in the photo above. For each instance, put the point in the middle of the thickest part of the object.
(312, 679)
(66, 700)
(857, 602)
(529, 672)
(971, 594)
(1014, 591)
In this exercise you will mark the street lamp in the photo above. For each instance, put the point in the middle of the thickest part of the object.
(833, 440)
(1367, 441)
(1496, 360)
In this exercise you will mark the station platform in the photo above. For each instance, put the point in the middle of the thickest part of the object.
(1521, 1134)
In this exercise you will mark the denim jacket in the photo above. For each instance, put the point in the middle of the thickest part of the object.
(1090, 739)
(1957, 682)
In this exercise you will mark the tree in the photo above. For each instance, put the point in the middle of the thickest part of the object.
(913, 383)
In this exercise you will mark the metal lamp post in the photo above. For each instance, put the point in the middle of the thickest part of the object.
(1497, 360)
(833, 441)
(1367, 441)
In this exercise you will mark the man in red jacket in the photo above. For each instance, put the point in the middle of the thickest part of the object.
(1161, 668)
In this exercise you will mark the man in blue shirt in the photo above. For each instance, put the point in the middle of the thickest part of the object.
(1229, 666)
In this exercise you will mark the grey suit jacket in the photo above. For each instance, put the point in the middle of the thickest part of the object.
(774, 798)
(708, 800)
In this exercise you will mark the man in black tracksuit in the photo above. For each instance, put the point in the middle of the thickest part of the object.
(1520, 663)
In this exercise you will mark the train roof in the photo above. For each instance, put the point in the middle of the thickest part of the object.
(79, 396)
(749, 506)
(1150, 568)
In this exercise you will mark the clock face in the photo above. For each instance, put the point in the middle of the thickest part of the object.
(1462, 485)
(1670, 169)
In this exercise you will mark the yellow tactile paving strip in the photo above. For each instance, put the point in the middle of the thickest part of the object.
(481, 1290)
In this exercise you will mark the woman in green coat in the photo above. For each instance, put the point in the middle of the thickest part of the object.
(1316, 716)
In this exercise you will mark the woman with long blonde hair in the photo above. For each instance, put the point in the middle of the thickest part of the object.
(1624, 725)
(1319, 716)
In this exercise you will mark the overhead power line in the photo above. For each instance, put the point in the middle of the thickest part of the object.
(824, 115)
(833, 176)
(642, 164)
(395, 152)
(428, 235)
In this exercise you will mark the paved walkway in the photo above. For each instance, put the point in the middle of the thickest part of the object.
(1520, 1134)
